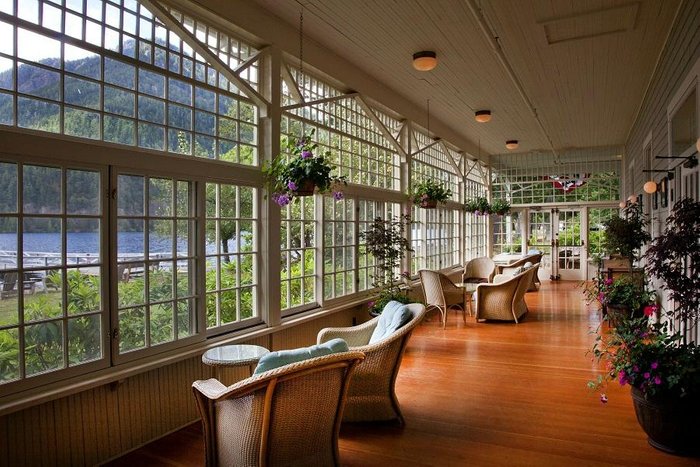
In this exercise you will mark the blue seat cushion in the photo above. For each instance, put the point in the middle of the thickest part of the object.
(394, 315)
(285, 357)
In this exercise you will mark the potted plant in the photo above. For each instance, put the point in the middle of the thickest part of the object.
(386, 242)
(478, 206)
(500, 206)
(301, 172)
(428, 193)
(622, 298)
(625, 235)
(656, 359)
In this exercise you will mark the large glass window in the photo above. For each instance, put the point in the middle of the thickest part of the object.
(298, 259)
(231, 249)
(156, 258)
(507, 234)
(121, 76)
(52, 310)
(339, 247)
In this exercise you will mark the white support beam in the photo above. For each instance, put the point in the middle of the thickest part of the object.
(292, 84)
(320, 101)
(382, 128)
(190, 39)
(454, 164)
(252, 59)
(426, 147)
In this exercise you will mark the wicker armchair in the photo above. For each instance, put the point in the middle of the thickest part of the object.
(371, 396)
(504, 300)
(441, 293)
(479, 270)
(286, 416)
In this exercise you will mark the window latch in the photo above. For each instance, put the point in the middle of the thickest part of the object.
(115, 333)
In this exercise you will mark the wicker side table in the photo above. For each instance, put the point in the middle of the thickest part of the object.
(233, 356)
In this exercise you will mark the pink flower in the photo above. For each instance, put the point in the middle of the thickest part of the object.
(337, 195)
(647, 375)
(654, 365)
(657, 380)
(650, 310)
(603, 398)
(608, 281)
(622, 378)
(370, 304)
(305, 154)
(292, 186)
(601, 297)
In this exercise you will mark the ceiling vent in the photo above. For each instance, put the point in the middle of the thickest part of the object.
(590, 24)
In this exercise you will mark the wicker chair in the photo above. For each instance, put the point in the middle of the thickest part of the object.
(479, 270)
(371, 396)
(441, 293)
(535, 259)
(504, 300)
(286, 416)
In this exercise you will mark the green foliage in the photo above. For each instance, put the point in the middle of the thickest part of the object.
(500, 206)
(286, 176)
(429, 190)
(385, 296)
(648, 357)
(627, 291)
(385, 240)
(478, 206)
(626, 235)
(674, 257)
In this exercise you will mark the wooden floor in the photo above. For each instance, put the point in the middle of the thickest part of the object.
(487, 394)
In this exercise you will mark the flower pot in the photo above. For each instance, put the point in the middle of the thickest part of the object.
(428, 204)
(670, 422)
(616, 314)
(305, 188)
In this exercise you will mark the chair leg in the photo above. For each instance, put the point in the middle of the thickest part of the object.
(444, 317)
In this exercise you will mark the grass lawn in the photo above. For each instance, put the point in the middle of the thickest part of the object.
(8, 305)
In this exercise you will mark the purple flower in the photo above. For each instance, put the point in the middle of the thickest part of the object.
(657, 380)
(622, 378)
(305, 154)
(601, 297)
(478, 213)
(654, 365)
(647, 375)
(281, 199)
(337, 195)
(370, 304)
(635, 369)
(292, 186)
(608, 281)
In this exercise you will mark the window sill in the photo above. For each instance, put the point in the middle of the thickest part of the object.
(52, 391)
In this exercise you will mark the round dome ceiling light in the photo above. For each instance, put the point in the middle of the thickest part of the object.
(425, 60)
(512, 144)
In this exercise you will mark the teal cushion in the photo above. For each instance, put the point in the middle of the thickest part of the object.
(285, 357)
(394, 315)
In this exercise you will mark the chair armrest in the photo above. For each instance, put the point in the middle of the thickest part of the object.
(211, 388)
(500, 278)
(355, 336)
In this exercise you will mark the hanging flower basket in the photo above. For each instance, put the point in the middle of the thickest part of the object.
(428, 193)
(300, 172)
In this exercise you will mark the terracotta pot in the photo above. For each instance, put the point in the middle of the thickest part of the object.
(305, 188)
(671, 423)
(428, 204)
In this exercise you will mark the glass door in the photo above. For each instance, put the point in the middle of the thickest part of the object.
(569, 252)
(540, 238)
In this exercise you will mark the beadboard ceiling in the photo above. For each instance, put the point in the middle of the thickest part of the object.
(584, 65)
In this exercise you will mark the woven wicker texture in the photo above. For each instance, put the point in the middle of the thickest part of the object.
(287, 416)
(504, 299)
(441, 293)
(480, 269)
(372, 395)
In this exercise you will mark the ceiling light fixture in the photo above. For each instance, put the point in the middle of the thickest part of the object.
(424, 60)
(650, 187)
(482, 116)
(512, 144)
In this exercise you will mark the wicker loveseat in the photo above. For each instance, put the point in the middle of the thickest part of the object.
(371, 396)
(286, 416)
(504, 299)
(533, 259)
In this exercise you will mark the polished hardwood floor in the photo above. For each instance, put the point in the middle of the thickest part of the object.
(487, 394)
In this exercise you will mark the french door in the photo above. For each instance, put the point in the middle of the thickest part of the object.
(569, 253)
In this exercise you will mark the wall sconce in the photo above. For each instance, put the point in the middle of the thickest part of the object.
(622, 204)
(650, 187)
(424, 60)
(482, 116)
(512, 144)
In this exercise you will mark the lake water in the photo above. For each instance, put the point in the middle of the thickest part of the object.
(88, 242)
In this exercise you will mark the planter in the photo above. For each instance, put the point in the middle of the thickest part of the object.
(306, 188)
(616, 314)
(428, 204)
(669, 422)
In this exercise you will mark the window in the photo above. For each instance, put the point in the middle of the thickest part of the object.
(596, 230)
(339, 247)
(231, 239)
(52, 307)
(156, 257)
(507, 235)
(370, 210)
(298, 238)
(121, 76)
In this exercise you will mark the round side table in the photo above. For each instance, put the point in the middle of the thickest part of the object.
(235, 355)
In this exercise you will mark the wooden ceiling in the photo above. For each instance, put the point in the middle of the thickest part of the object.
(583, 65)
